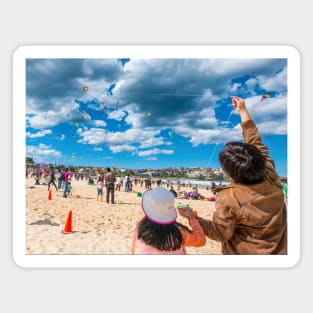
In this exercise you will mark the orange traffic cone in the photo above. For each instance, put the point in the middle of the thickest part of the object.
(50, 195)
(195, 213)
(68, 225)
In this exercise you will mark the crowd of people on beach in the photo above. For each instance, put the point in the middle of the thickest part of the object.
(250, 212)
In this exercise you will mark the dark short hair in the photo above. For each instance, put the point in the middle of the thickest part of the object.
(163, 237)
(108, 169)
(242, 162)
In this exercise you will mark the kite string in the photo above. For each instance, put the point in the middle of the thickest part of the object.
(218, 140)
(163, 94)
(253, 107)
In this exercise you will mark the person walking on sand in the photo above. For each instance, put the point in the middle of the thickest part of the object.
(110, 178)
(52, 180)
(159, 232)
(250, 215)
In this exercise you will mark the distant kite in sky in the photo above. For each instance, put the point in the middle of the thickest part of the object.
(149, 114)
(266, 95)
(77, 125)
(86, 116)
(102, 105)
(85, 89)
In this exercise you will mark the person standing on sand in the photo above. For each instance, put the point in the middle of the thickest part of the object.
(100, 188)
(59, 178)
(67, 175)
(250, 216)
(109, 183)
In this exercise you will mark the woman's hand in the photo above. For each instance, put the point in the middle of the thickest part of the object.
(240, 106)
(238, 103)
(186, 212)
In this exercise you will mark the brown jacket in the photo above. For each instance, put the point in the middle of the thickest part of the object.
(109, 178)
(250, 219)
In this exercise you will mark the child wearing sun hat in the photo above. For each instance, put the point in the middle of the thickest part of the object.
(158, 232)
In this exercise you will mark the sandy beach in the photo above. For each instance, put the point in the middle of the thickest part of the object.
(98, 227)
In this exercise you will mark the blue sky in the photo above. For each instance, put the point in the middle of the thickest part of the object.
(150, 113)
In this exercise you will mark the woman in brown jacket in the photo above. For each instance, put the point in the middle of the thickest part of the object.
(250, 216)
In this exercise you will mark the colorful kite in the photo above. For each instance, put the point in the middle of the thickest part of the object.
(266, 95)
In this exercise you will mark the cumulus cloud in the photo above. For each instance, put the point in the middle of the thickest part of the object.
(39, 134)
(122, 148)
(155, 151)
(116, 115)
(42, 152)
(100, 123)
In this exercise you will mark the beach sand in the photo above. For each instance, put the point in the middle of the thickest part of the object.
(98, 227)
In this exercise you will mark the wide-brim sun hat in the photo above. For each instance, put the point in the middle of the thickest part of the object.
(158, 205)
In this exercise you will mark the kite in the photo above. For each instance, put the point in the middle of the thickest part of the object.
(85, 89)
(102, 103)
(86, 116)
(149, 114)
(266, 95)
(170, 134)
(77, 125)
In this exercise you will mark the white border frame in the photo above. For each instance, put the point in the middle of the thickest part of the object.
(159, 261)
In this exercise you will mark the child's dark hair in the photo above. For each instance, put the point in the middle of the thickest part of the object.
(163, 237)
(242, 162)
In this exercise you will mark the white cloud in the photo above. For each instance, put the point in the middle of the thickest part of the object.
(209, 136)
(277, 127)
(155, 151)
(122, 148)
(143, 137)
(39, 134)
(116, 115)
(277, 82)
(39, 117)
(235, 87)
(269, 108)
(42, 153)
(99, 123)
